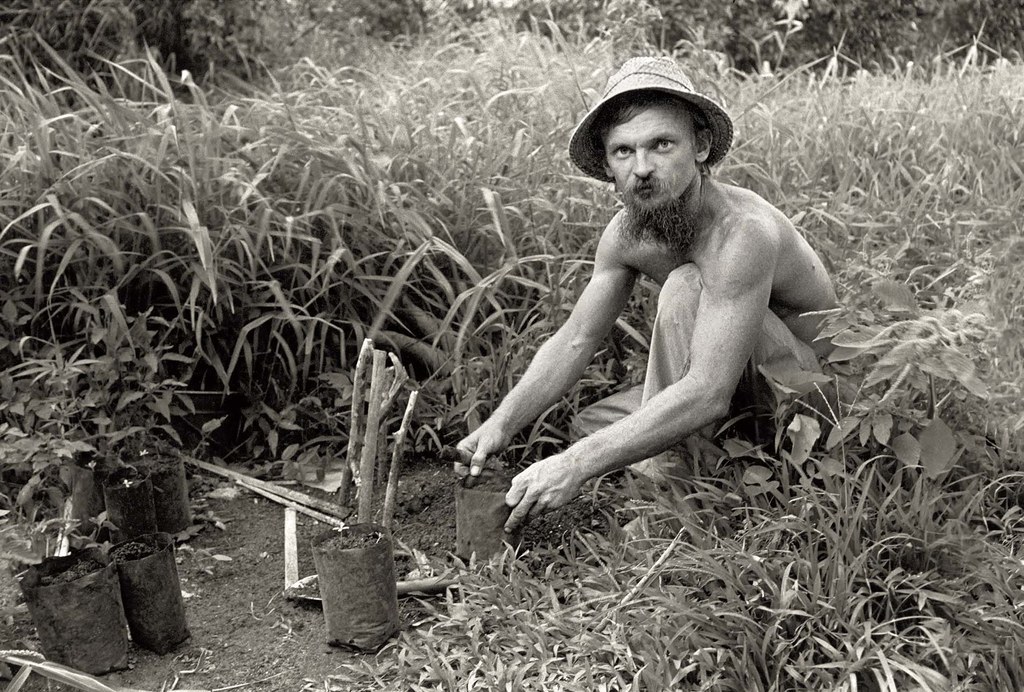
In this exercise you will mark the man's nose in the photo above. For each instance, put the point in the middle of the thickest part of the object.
(642, 168)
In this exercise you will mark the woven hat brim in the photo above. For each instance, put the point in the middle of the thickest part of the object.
(587, 152)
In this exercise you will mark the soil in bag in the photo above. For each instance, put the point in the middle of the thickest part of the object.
(356, 576)
(75, 604)
(151, 591)
(128, 494)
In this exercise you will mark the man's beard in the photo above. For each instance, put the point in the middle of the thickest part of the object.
(667, 223)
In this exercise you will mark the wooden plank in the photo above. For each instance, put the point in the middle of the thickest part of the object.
(291, 550)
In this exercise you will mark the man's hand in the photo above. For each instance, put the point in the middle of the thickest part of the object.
(543, 486)
(487, 440)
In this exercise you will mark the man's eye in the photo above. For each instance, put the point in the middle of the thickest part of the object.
(622, 151)
(664, 144)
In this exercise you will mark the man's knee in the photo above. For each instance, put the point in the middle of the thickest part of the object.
(680, 294)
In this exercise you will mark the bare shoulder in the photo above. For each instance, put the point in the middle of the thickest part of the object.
(747, 236)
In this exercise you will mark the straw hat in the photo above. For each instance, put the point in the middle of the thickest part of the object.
(646, 74)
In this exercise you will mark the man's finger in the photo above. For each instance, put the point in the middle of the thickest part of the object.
(519, 514)
(478, 462)
(516, 493)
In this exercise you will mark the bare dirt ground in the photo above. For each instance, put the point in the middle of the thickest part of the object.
(245, 634)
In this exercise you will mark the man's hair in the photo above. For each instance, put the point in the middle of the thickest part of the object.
(625, 107)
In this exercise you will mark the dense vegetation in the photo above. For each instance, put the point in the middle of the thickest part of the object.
(159, 236)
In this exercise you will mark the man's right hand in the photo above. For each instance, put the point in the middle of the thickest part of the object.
(486, 441)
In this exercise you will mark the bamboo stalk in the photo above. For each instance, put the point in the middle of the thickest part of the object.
(388, 513)
(369, 453)
(355, 435)
(294, 496)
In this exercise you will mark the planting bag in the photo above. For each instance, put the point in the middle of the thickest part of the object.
(356, 574)
(480, 516)
(150, 591)
(80, 621)
(170, 494)
(129, 507)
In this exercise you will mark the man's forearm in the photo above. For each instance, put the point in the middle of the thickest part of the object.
(556, 367)
(661, 423)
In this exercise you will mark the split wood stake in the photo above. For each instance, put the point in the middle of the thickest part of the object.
(355, 434)
(391, 493)
(368, 458)
(291, 550)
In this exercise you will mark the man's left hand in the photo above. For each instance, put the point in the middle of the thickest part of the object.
(545, 485)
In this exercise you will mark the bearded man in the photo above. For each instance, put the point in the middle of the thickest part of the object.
(737, 285)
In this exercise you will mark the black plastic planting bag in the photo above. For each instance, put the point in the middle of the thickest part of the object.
(170, 494)
(151, 592)
(75, 604)
(480, 516)
(129, 499)
(355, 570)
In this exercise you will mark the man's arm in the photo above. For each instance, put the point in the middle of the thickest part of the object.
(737, 285)
(561, 360)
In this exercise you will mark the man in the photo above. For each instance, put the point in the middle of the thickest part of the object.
(736, 277)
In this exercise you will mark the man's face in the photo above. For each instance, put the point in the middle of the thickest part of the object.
(653, 157)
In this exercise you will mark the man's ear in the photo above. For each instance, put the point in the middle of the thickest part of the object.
(703, 144)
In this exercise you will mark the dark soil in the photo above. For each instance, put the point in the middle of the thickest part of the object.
(349, 538)
(231, 568)
(76, 570)
(135, 549)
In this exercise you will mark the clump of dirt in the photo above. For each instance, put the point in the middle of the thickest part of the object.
(76, 570)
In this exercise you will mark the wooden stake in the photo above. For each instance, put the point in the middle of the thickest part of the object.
(291, 550)
(387, 515)
(368, 458)
(355, 432)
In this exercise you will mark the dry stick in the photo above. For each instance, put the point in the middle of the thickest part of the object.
(387, 515)
(355, 435)
(369, 455)
(293, 495)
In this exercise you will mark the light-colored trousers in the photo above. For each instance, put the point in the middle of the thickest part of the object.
(669, 359)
